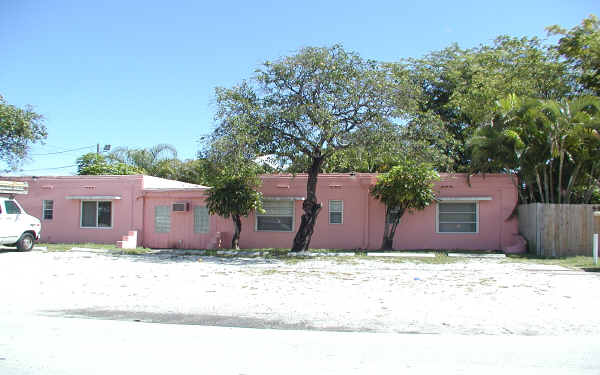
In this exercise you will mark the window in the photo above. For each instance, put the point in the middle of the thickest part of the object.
(336, 212)
(48, 210)
(96, 214)
(201, 220)
(12, 208)
(162, 219)
(278, 216)
(458, 217)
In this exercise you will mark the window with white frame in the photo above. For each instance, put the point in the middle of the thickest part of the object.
(96, 214)
(336, 212)
(457, 217)
(278, 216)
(201, 220)
(48, 209)
(162, 219)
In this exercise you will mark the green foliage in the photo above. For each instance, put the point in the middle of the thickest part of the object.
(307, 105)
(553, 145)
(234, 195)
(580, 46)
(96, 164)
(19, 128)
(459, 88)
(159, 160)
(407, 186)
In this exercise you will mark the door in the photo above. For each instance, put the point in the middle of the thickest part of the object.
(10, 226)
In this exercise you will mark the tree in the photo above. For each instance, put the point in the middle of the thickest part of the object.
(310, 105)
(19, 129)
(580, 46)
(407, 186)
(553, 145)
(234, 195)
(460, 87)
(96, 164)
(159, 160)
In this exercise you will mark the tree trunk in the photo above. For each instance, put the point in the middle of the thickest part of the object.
(237, 226)
(560, 172)
(551, 182)
(389, 232)
(587, 196)
(539, 184)
(548, 199)
(310, 207)
(571, 182)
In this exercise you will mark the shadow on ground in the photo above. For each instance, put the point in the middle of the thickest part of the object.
(197, 319)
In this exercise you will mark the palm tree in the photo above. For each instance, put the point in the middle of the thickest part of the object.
(158, 160)
(542, 140)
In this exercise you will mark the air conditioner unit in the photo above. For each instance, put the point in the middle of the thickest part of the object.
(181, 207)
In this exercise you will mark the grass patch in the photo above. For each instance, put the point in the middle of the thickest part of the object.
(96, 246)
(440, 258)
(585, 263)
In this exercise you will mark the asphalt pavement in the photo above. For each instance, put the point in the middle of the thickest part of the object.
(31, 344)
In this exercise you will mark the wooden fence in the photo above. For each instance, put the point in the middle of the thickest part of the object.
(558, 230)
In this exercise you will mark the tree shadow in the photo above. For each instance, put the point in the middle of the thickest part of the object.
(165, 258)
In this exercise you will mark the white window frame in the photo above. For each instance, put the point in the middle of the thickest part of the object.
(112, 216)
(44, 209)
(208, 225)
(341, 212)
(437, 217)
(256, 216)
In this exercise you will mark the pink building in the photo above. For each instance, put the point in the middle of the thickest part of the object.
(171, 214)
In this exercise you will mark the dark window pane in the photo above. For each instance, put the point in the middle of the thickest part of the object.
(12, 208)
(88, 214)
(335, 217)
(48, 209)
(459, 217)
(457, 207)
(458, 227)
(104, 214)
(274, 223)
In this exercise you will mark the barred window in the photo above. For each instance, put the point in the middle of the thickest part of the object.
(201, 220)
(162, 219)
(458, 217)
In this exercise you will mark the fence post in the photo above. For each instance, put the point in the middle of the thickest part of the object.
(596, 229)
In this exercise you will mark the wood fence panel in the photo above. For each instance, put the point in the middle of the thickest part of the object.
(556, 230)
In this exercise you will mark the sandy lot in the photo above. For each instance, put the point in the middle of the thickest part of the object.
(473, 296)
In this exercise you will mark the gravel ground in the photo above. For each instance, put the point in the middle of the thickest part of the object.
(471, 296)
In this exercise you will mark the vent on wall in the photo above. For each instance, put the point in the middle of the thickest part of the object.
(181, 207)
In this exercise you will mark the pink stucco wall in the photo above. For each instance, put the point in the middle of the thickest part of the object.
(363, 216)
(66, 224)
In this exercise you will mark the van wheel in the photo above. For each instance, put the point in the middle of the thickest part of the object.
(25, 243)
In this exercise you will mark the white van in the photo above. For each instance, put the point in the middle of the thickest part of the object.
(17, 228)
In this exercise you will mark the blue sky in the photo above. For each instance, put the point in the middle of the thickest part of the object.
(138, 73)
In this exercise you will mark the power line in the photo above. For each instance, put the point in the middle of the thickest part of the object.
(62, 152)
(46, 169)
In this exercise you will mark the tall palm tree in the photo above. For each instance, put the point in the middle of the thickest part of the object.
(157, 160)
